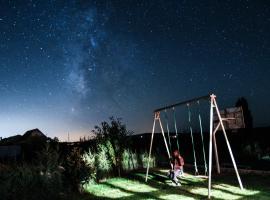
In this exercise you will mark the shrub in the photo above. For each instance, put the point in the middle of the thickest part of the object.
(27, 182)
(144, 159)
(91, 161)
(104, 162)
(77, 170)
(40, 180)
(114, 136)
(100, 162)
(129, 160)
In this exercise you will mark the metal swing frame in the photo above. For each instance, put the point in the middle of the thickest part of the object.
(212, 138)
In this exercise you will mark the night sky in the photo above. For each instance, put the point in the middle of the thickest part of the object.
(65, 66)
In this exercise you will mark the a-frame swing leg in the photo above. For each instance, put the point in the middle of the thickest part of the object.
(228, 144)
(165, 141)
(157, 117)
(210, 146)
(214, 105)
(150, 150)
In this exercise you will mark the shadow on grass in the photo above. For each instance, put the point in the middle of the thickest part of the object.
(159, 185)
(255, 186)
(160, 189)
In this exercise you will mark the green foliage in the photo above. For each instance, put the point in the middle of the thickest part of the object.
(103, 158)
(48, 159)
(91, 161)
(253, 150)
(133, 161)
(110, 152)
(99, 162)
(144, 159)
(113, 135)
(129, 160)
(26, 182)
(41, 181)
(77, 170)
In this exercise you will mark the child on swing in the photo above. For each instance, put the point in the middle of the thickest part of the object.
(177, 164)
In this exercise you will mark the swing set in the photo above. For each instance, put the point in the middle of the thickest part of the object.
(212, 132)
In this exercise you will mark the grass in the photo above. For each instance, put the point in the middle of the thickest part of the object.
(159, 187)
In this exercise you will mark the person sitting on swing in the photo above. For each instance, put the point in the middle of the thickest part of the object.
(177, 164)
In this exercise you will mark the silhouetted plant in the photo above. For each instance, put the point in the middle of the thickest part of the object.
(28, 182)
(76, 169)
(49, 159)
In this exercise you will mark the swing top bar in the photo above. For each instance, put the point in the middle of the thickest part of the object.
(183, 103)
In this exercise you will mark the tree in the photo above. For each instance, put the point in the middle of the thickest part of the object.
(56, 139)
(77, 171)
(248, 119)
(113, 135)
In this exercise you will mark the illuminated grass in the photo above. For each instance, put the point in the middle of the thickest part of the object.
(118, 187)
(159, 187)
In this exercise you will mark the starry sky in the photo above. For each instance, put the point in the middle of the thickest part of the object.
(65, 66)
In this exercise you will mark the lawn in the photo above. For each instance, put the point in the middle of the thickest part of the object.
(159, 187)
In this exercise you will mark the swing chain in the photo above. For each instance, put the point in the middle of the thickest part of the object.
(201, 131)
(175, 127)
(168, 130)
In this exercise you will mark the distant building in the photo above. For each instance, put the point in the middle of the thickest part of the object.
(10, 152)
(12, 147)
(34, 133)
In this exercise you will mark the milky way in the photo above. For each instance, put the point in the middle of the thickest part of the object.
(66, 66)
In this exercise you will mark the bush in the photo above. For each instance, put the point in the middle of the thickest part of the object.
(129, 160)
(27, 182)
(100, 162)
(144, 159)
(77, 171)
(114, 136)
(40, 180)
(91, 161)
(104, 162)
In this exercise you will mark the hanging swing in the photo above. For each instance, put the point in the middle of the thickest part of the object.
(201, 131)
(191, 134)
(192, 141)
(176, 131)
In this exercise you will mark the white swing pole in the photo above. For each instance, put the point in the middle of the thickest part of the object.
(228, 145)
(162, 131)
(150, 150)
(210, 145)
(215, 148)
